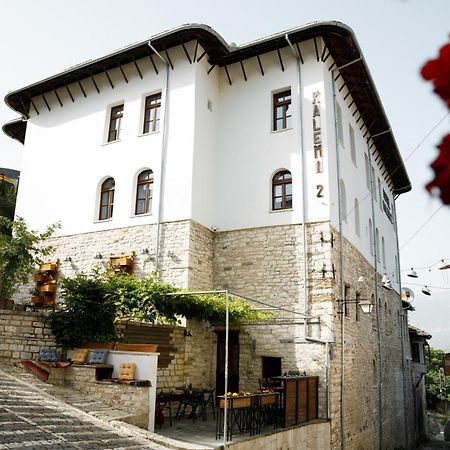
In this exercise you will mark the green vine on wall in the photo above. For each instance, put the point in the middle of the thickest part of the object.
(94, 304)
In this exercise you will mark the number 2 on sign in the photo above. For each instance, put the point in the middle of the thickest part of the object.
(319, 188)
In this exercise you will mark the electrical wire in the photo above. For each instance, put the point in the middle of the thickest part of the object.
(421, 227)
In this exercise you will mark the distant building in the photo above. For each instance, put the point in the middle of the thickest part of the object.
(269, 169)
(419, 340)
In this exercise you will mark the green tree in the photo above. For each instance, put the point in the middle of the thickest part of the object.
(7, 198)
(437, 384)
(21, 250)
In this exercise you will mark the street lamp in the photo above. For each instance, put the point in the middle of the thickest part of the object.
(365, 305)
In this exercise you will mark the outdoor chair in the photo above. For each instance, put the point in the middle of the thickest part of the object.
(164, 402)
(194, 402)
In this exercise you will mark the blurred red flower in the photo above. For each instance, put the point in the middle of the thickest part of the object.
(441, 167)
(438, 71)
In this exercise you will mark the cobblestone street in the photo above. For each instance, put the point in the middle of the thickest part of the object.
(29, 419)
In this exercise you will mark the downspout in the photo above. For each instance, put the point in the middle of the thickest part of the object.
(303, 162)
(304, 241)
(402, 314)
(341, 249)
(377, 301)
(163, 163)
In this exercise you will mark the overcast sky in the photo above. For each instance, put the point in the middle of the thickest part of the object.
(41, 38)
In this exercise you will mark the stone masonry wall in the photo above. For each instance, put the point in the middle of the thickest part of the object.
(363, 390)
(266, 264)
(83, 248)
(22, 334)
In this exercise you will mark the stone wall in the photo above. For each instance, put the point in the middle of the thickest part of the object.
(309, 436)
(371, 355)
(22, 334)
(133, 399)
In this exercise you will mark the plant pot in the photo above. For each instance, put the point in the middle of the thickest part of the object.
(40, 278)
(47, 288)
(236, 402)
(35, 300)
(48, 267)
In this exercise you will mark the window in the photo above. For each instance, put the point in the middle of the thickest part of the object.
(114, 123)
(383, 251)
(415, 352)
(352, 145)
(144, 192)
(377, 244)
(282, 190)
(357, 222)
(282, 117)
(152, 113)
(346, 297)
(379, 194)
(358, 299)
(371, 236)
(340, 131)
(107, 199)
(343, 201)
(366, 160)
(374, 190)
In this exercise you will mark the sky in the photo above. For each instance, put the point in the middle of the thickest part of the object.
(42, 38)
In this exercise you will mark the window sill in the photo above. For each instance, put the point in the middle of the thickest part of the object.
(111, 142)
(149, 134)
(103, 220)
(281, 210)
(280, 131)
(134, 216)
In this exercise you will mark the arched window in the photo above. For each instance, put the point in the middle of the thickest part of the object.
(144, 192)
(371, 236)
(107, 199)
(282, 190)
(377, 244)
(357, 222)
(343, 201)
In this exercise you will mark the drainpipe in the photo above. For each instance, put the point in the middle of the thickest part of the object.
(375, 253)
(402, 314)
(163, 163)
(303, 163)
(341, 248)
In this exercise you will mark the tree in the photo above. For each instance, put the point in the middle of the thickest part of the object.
(21, 250)
(7, 198)
(437, 384)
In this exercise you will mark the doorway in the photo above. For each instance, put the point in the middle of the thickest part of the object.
(233, 362)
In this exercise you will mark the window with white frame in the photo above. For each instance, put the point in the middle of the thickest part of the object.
(340, 129)
(115, 121)
(282, 190)
(152, 113)
(282, 115)
(343, 201)
(357, 220)
(352, 145)
(106, 199)
(144, 192)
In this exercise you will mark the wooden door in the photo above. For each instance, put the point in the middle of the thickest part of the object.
(233, 362)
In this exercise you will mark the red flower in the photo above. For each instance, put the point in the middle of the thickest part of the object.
(438, 71)
(441, 167)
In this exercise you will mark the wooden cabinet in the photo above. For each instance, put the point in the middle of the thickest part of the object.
(300, 399)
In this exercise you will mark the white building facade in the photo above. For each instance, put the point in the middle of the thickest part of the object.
(269, 169)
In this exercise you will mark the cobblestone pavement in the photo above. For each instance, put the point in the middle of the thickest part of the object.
(30, 419)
